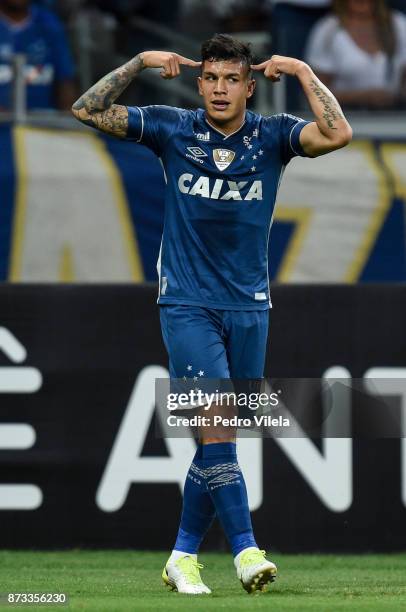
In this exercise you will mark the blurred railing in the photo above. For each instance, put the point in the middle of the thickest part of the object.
(269, 98)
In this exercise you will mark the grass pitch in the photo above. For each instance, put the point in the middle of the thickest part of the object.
(115, 581)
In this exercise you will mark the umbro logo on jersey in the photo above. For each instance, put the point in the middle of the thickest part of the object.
(223, 158)
(205, 136)
(197, 151)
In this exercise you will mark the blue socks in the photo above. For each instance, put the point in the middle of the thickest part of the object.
(215, 484)
(198, 510)
(226, 486)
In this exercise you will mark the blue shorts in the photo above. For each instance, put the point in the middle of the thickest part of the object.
(203, 342)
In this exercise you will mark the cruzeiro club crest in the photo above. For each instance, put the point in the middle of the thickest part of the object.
(223, 158)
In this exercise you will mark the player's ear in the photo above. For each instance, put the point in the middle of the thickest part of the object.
(199, 85)
(251, 87)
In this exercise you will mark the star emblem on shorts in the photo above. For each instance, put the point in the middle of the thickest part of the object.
(189, 367)
(242, 157)
(260, 152)
(201, 373)
(195, 379)
(250, 146)
(254, 157)
(253, 169)
(184, 379)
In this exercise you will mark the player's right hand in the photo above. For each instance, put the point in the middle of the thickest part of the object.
(168, 61)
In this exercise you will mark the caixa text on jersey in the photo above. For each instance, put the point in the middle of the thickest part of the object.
(219, 189)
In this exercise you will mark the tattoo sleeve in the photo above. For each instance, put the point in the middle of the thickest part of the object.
(95, 107)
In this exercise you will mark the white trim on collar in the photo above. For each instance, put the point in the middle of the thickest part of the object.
(222, 133)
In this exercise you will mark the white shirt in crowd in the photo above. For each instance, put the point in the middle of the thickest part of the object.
(332, 50)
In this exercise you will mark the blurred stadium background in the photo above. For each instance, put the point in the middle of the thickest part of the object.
(80, 226)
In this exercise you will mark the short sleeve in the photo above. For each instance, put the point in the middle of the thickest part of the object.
(319, 51)
(289, 136)
(153, 126)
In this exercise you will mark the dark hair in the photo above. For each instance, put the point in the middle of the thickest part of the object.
(225, 47)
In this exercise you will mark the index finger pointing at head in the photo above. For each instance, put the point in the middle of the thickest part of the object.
(185, 61)
(259, 66)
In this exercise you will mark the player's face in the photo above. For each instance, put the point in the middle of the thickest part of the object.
(225, 87)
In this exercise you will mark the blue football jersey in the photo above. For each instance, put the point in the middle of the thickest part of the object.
(219, 202)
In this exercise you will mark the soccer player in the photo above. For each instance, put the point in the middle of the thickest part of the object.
(223, 166)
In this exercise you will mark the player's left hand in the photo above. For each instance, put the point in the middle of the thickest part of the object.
(277, 65)
(169, 61)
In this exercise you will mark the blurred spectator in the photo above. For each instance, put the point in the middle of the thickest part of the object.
(39, 35)
(291, 23)
(360, 53)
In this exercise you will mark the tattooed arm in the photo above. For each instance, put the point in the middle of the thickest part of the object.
(330, 130)
(96, 106)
